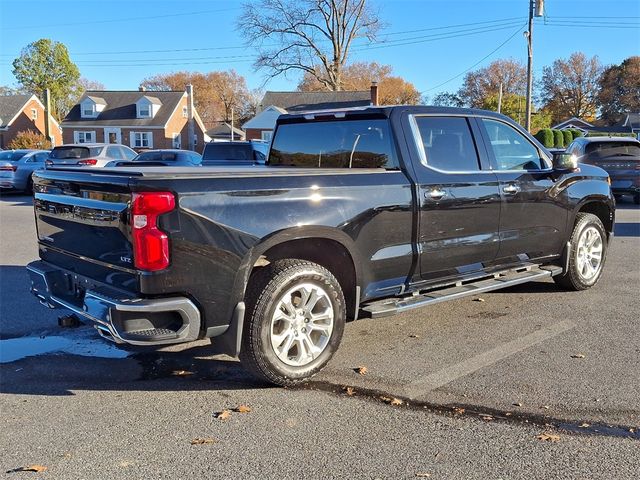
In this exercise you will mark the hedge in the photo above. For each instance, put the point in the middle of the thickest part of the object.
(558, 139)
(568, 137)
(545, 137)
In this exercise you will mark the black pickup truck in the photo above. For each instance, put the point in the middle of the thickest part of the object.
(370, 211)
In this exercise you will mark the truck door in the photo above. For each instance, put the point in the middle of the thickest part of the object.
(458, 197)
(533, 218)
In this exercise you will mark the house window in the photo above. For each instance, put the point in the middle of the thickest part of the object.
(85, 137)
(141, 140)
(34, 114)
(266, 135)
(88, 110)
(177, 140)
(144, 111)
(185, 112)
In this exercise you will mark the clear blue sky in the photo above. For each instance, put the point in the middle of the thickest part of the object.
(428, 42)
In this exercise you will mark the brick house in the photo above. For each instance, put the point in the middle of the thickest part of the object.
(274, 104)
(20, 113)
(140, 119)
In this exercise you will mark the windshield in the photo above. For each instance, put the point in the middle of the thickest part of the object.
(228, 151)
(11, 156)
(613, 149)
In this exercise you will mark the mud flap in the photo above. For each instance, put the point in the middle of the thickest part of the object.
(230, 341)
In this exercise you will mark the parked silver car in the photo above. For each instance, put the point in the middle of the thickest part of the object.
(16, 167)
(89, 154)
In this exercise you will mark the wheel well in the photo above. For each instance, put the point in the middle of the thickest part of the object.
(601, 211)
(330, 254)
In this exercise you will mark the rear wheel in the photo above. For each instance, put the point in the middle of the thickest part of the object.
(296, 316)
(587, 255)
(636, 198)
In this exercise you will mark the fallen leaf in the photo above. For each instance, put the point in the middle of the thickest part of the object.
(349, 391)
(517, 404)
(546, 407)
(362, 370)
(203, 441)
(181, 373)
(577, 355)
(395, 402)
(548, 437)
(458, 410)
(242, 409)
(585, 425)
(479, 299)
(223, 415)
(30, 468)
(508, 414)
(487, 418)
(632, 430)
(423, 475)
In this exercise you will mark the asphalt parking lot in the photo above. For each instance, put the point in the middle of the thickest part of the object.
(528, 382)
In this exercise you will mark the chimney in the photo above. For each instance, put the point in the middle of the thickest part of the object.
(47, 116)
(374, 93)
(190, 123)
(142, 89)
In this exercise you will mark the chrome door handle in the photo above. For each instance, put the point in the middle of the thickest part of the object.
(511, 189)
(435, 194)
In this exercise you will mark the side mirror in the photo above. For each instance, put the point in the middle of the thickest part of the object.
(566, 162)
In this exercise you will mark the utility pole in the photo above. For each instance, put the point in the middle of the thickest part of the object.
(47, 117)
(536, 10)
(500, 99)
(232, 135)
(191, 130)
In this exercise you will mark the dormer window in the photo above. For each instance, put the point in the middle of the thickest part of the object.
(91, 107)
(147, 107)
(89, 110)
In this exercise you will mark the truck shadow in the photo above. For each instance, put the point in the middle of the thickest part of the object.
(16, 198)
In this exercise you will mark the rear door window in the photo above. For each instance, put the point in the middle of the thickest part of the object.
(115, 152)
(447, 143)
(334, 144)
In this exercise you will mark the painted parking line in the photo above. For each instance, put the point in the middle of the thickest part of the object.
(449, 374)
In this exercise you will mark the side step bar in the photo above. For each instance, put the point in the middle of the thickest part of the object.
(391, 306)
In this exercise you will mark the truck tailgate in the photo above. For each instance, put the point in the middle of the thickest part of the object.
(82, 223)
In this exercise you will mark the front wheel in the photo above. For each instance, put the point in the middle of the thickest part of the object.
(296, 316)
(587, 254)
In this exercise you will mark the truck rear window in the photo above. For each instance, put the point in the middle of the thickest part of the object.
(334, 144)
(612, 149)
(74, 152)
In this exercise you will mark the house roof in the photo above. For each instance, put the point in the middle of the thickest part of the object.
(154, 100)
(97, 100)
(632, 120)
(10, 107)
(120, 109)
(300, 101)
(266, 119)
(224, 130)
(573, 121)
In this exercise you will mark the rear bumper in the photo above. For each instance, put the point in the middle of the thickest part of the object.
(117, 315)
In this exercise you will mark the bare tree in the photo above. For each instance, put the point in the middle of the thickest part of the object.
(484, 82)
(312, 36)
(570, 87)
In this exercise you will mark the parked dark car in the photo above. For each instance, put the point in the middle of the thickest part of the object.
(618, 156)
(158, 158)
(88, 154)
(366, 212)
(235, 153)
(16, 167)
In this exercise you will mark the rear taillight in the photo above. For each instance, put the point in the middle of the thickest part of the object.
(88, 161)
(8, 168)
(150, 244)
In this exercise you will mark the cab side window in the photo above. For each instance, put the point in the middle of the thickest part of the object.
(447, 143)
(511, 149)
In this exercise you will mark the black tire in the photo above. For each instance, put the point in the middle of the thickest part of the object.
(265, 289)
(29, 189)
(572, 279)
(636, 199)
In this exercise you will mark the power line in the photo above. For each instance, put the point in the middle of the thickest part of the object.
(123, 19)
(479, 61)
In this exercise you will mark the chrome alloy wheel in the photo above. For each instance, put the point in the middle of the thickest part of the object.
(589, 253)
(301, 325)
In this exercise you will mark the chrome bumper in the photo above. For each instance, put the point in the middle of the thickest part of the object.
(117, 317)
